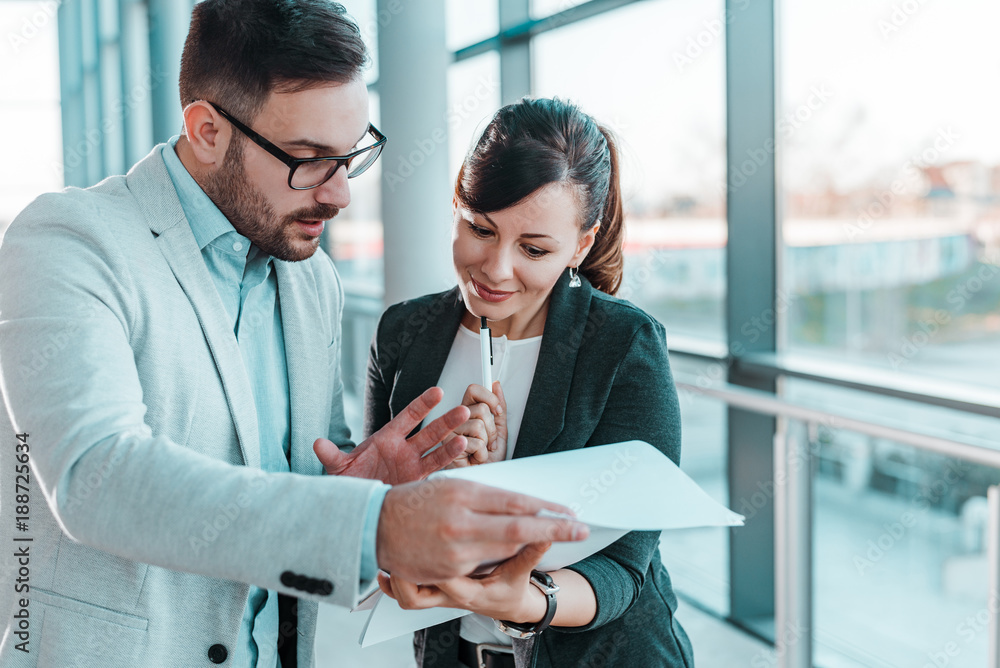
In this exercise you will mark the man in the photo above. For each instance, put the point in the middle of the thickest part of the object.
(169, 360)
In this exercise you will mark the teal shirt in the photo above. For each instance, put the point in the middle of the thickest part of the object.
(245, 278)
(248, 286)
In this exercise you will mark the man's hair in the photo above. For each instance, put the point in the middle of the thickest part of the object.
(240, 51)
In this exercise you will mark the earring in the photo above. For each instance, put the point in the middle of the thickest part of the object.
(574, 278)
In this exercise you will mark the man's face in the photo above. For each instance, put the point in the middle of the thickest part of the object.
(251, 187)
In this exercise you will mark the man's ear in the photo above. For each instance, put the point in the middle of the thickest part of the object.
(586, 243)
(207, 133)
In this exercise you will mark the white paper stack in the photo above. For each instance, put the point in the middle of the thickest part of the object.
(614, 489)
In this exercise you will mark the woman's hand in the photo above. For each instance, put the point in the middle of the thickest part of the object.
(485, 430)
(506, 593)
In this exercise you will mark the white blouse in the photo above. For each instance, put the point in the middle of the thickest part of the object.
(514, 366)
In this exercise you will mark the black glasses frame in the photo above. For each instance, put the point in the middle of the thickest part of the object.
(293, 163)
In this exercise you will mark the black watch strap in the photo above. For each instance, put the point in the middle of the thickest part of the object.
(547, 585)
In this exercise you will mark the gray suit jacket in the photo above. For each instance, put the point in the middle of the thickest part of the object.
(602, 377)
(149, 514)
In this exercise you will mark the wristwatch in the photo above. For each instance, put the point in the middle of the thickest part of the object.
(548, 587)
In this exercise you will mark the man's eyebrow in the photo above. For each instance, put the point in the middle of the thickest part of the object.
(324, 149)
(308, 143)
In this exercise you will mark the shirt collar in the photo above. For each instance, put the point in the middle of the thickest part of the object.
(207, 222)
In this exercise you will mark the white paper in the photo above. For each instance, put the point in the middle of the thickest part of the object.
(613, 488)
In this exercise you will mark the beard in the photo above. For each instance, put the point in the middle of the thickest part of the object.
(253, 216)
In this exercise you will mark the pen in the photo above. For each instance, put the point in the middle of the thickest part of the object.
(486, 350)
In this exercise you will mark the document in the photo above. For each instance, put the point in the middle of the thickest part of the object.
(614, 489)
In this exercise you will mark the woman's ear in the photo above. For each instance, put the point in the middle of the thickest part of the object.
(587, 240)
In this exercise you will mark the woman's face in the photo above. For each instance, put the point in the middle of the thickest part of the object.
(507, 261)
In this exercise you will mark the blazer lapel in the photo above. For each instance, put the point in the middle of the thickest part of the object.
(428, 352)
(306, 343)
(545, 411)
(154, 191)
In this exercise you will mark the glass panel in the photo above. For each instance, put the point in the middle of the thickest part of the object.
(542, 8)
(698, 559)
(666, 102)
(900, 562)
(365, 13)
(899, 552)
(29, 104)
(892, 176)
(473, 98)
(354, 240)
(354, 237)
(471, 21)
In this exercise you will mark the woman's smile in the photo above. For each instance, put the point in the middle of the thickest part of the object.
(494, 296)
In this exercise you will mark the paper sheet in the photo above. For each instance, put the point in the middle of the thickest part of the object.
(613, 488)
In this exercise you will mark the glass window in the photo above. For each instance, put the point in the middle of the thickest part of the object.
(698, 559)
(654, 73)
(899, 551)
(892, 178)
(542, 8)
(471, 21)
(354, 240)
(891, 238)
(29, 106)
(473, 98)
(365, 13)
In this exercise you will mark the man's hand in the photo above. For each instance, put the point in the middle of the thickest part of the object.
(387, 455)
(439, 529)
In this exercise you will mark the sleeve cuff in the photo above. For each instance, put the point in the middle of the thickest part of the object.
(369, 565)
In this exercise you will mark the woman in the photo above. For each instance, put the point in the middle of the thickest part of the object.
(537, 249)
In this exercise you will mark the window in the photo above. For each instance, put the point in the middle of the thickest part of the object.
(29, 106)
(892, 176)
(636, 71)
(470, 21)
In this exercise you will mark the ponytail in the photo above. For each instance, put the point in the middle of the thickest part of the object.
(604, 264)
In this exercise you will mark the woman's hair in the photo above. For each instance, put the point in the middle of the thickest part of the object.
(239, 51)
(532, 143)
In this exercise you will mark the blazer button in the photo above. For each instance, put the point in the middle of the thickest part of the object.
(307, 584)
(217, 653)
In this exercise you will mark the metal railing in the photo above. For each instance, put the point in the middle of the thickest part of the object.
(793, 502)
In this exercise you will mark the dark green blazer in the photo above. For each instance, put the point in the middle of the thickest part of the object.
(602, 377)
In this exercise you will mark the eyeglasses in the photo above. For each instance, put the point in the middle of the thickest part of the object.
(308, 173)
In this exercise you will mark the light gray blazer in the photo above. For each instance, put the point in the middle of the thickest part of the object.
(149, 513)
